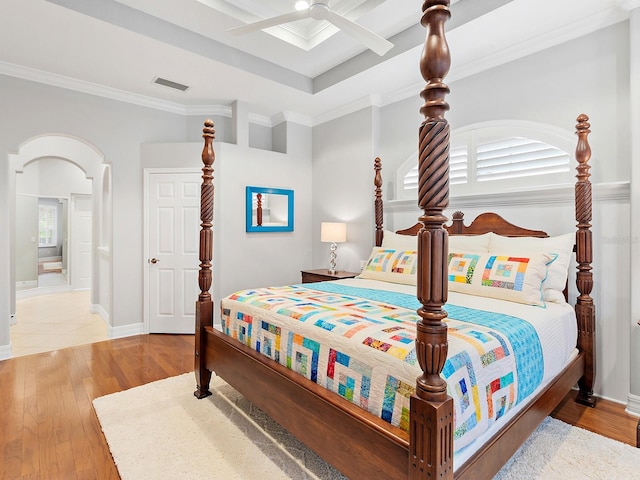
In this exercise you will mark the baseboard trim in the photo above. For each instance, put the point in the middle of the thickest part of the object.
(33, 292)
(126, 330)
(5, 352)
(633, 405)
(99, 309)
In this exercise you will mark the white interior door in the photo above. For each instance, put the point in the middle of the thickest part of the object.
(80, 242)
(173, 263)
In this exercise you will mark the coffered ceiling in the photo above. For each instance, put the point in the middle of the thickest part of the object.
(309, 68)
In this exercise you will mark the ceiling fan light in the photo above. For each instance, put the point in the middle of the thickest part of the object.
(301, 5)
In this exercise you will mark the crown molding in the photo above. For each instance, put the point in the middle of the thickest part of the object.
(293, 117)
(614, 15)
(351, 107)
(262, 120)
(213, 110)
(82, 86)
(628, 5)
(582, 27)
(89, 88)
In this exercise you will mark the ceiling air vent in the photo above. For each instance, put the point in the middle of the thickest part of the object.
(170, 84)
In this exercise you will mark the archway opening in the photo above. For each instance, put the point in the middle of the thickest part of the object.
(66, 178)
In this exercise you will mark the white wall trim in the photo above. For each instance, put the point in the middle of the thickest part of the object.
(351, 107)
(5, 352)
(628, 4)
(34, 292)
(26, 284)
(577, 29)
(615, 191)
(262, 120)
(126, 330)
(82, 86)
(214, 110)
(99, 309)
(298, 118)
(633, 405)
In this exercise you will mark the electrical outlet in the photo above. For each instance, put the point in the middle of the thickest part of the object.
(362, 264)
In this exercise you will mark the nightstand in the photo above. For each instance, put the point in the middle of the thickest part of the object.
(323, 275)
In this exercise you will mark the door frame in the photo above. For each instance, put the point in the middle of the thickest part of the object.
(146, 173)
(72, 242)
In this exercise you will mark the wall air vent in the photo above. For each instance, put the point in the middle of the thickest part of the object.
(170, 84)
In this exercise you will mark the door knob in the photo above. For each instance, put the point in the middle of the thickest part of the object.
(153, 260)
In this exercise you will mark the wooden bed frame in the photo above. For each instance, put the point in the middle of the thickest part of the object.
(356, 442)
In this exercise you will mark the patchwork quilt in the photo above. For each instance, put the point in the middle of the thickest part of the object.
(359, 343)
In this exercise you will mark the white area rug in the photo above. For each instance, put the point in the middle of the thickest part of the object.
(161, 431)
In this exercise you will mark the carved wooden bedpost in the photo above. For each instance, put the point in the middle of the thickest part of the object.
(585, 309)
(377, 181)
(431, 427)
(204, 305)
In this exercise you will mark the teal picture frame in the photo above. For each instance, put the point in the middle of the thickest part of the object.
(275, 205)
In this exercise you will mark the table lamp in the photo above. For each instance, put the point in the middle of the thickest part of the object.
(335, 233)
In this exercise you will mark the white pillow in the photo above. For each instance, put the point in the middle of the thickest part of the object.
(517, 278)
(476, 243)
(561, 245)
(396, 241)
(470, 243)
(390, 265)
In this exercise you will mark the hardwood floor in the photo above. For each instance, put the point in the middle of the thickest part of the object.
(48, 429)
(606, 418)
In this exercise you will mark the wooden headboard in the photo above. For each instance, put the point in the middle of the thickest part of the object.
(483, 223)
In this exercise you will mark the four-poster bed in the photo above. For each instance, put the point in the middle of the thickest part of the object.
(357, 442)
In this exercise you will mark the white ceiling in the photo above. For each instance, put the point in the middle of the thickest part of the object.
(117, 48)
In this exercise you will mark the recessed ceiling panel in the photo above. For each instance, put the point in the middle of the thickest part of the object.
(306, 33)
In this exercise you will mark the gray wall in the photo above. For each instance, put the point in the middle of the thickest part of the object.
(587, 75)
(117, 129)
(343, 153)
(241, 259)
(27, 239)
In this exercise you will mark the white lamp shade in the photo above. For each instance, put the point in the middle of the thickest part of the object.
(333, 232)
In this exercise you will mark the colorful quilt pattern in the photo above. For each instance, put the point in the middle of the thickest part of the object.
(500, 269)
(462, 266)
(359, 343)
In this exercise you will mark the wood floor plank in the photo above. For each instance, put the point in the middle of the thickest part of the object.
(30, 458)
(607, 418)
(50, 430)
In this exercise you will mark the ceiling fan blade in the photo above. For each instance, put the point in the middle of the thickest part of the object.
(271, 22)
(370, 39)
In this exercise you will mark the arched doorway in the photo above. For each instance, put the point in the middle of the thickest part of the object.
(86, 157)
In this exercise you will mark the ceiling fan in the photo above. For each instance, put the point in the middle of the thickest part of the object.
(319, 10)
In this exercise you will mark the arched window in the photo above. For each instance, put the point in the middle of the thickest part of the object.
(493, 156)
